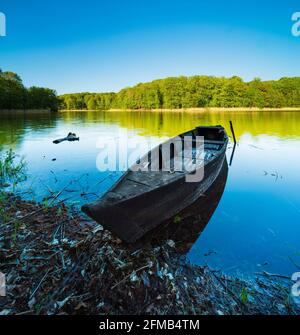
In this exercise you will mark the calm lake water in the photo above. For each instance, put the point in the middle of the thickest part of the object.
(256, 226)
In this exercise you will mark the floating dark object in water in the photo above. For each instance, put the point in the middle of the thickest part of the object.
(71, 137)
(209, 253)
(142, 200)
(53, 159)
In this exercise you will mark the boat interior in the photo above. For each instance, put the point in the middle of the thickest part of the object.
(175, 153)
(214, 137)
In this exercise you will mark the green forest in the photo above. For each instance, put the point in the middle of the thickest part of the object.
(14, 95)
(192, 92)
(168, 93)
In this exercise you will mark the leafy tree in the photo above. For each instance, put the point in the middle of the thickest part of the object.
(192, 92)
(13, 94)
(41, 98)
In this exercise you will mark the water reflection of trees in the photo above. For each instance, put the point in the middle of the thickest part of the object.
(281, 124)
(14, 125)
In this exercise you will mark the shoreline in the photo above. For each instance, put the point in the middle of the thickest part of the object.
(165, 110)
(192, 110)
(86, 270)
(37, 111)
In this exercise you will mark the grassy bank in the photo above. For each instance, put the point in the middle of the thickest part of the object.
(194, 110)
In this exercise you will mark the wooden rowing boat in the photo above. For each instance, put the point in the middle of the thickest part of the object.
(142, 200)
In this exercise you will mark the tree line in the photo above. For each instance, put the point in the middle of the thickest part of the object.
(14, 95)
(192, 92)
(168, 93)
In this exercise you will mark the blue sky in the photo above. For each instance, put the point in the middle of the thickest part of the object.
(98, 46)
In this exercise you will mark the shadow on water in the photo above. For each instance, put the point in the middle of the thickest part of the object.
(185, 228)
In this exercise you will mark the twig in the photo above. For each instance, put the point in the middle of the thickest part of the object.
(26, 312)
(25, 216)
(48, 188)
(237, 299)
(267, 274)
(39, 210)
(40, 283)
(63, 260)
(125, 278)
(294, 263)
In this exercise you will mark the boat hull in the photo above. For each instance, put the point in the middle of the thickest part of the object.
(191, 221)
(131, 219)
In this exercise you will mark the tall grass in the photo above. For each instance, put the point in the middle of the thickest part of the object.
(12, 170)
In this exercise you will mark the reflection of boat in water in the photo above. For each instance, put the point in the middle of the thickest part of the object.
(142, 200)
(185, 228)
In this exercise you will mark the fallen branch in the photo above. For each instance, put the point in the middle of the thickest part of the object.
(267, 274)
